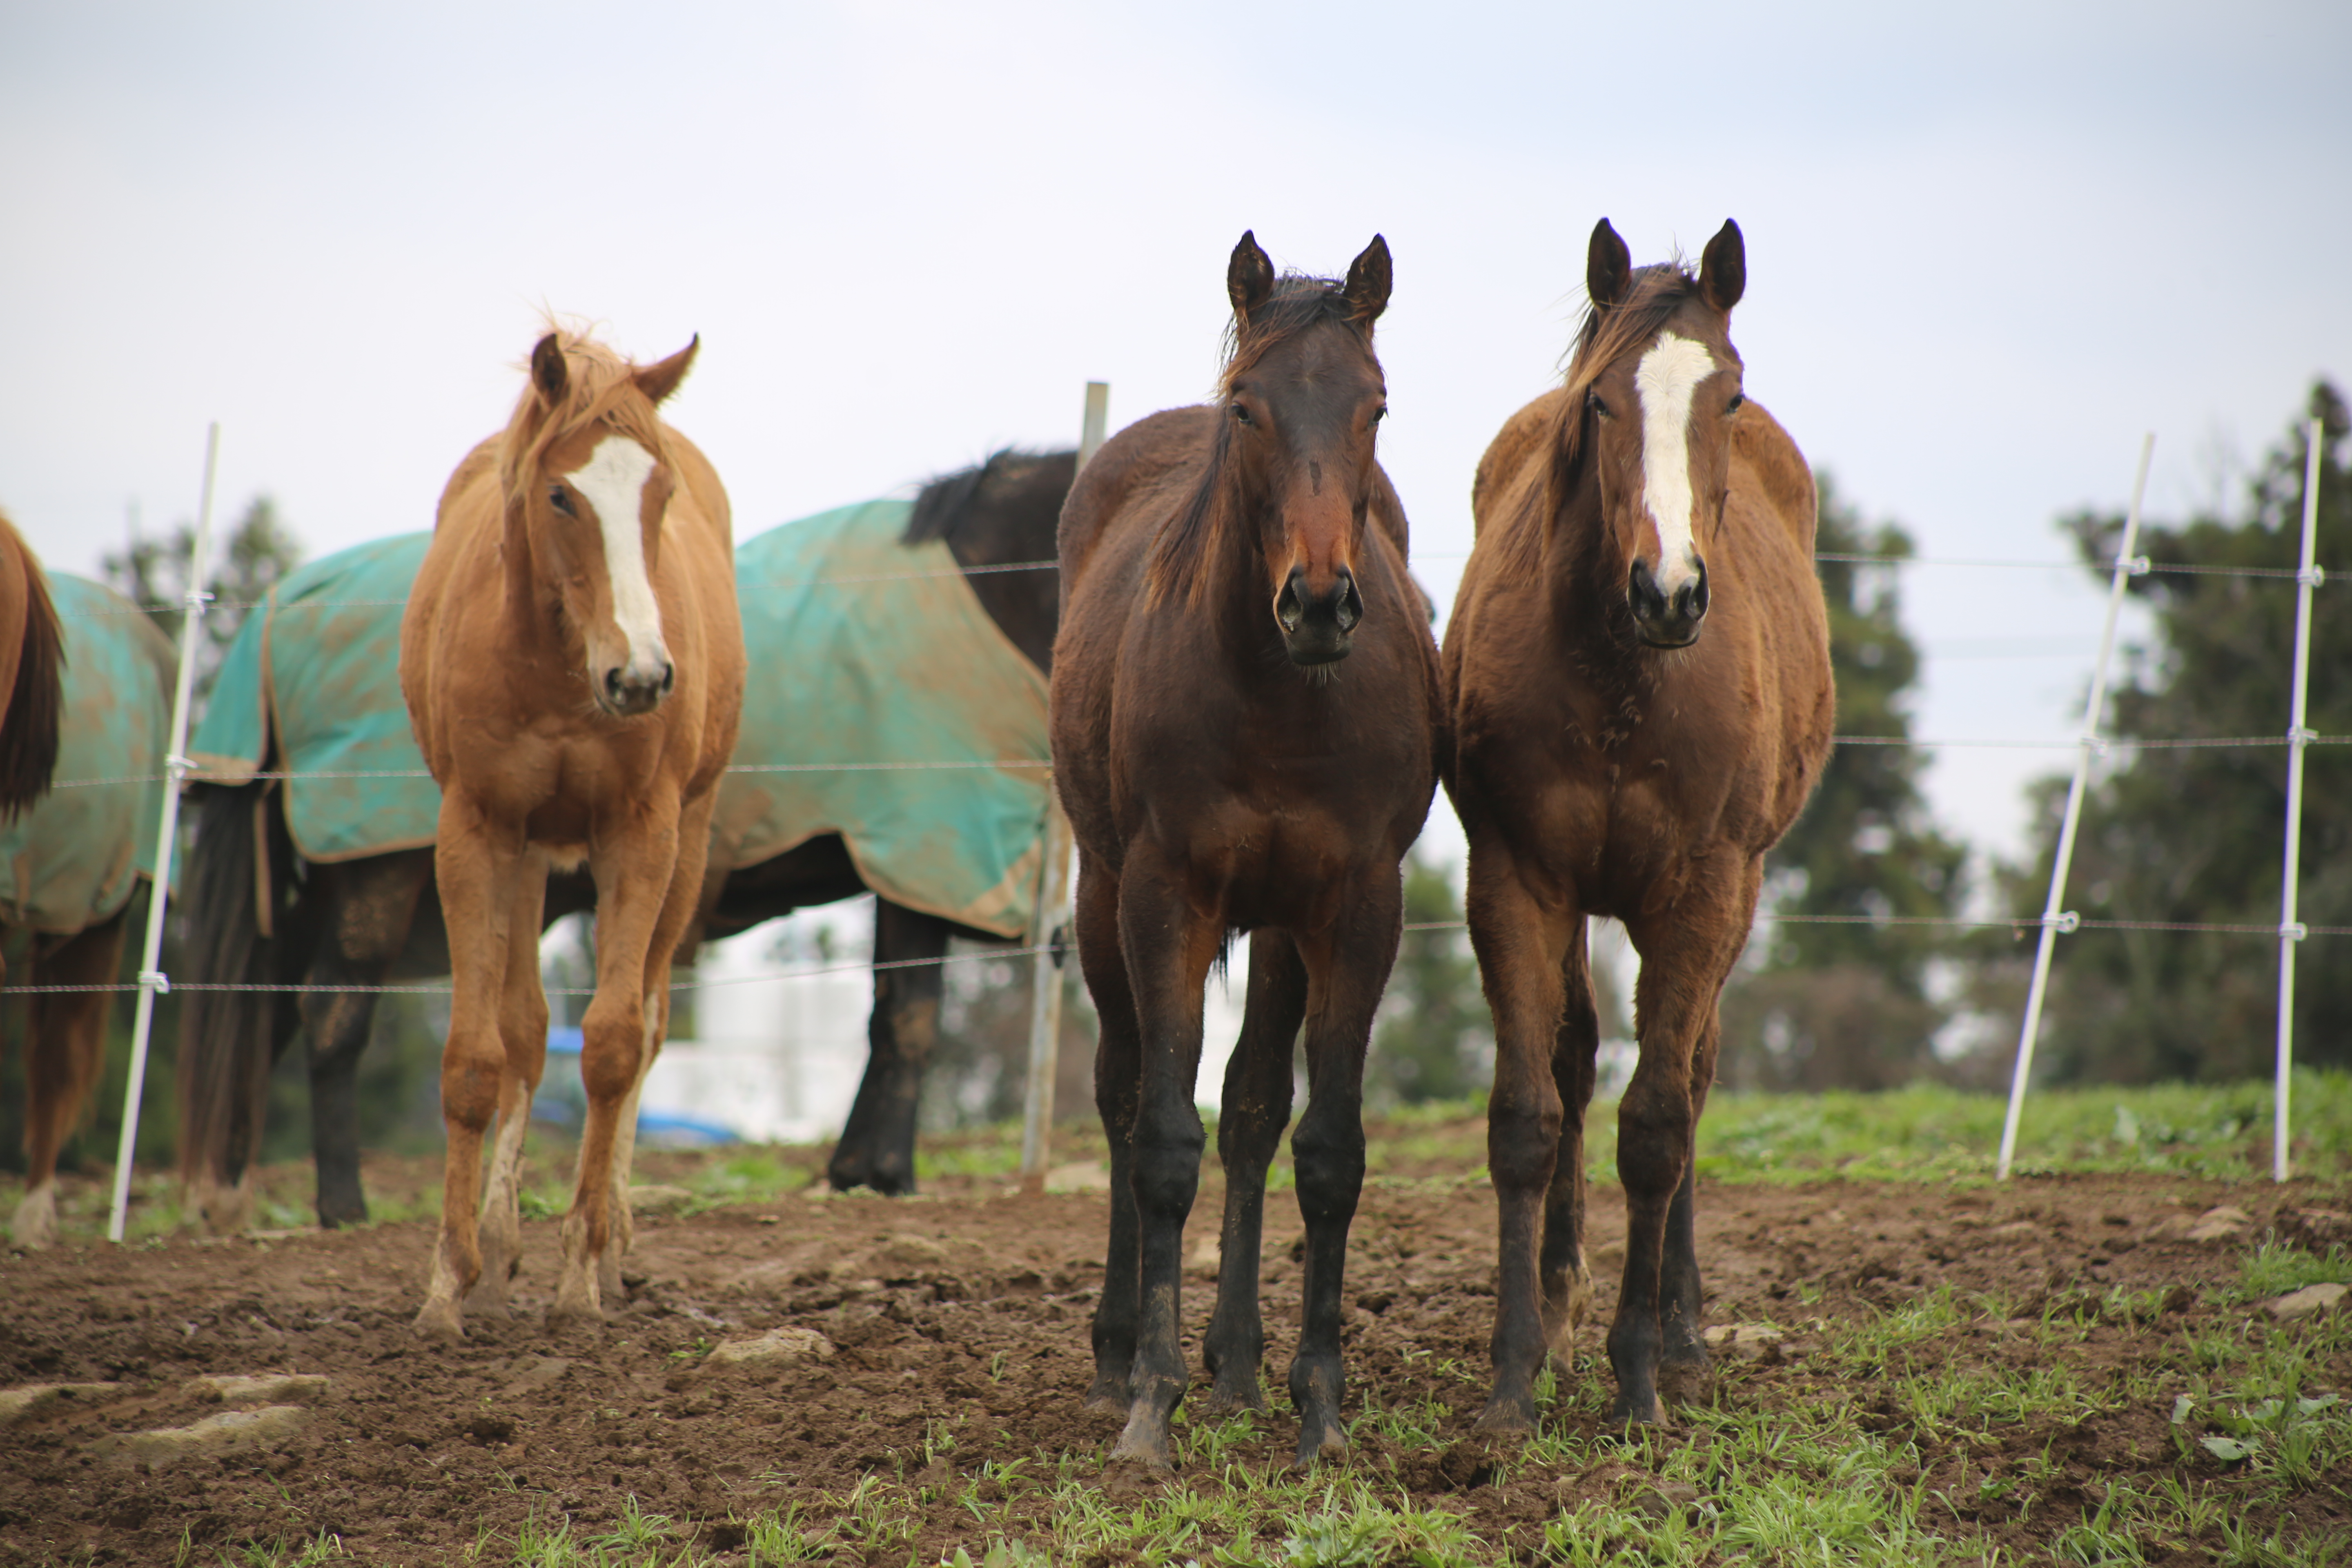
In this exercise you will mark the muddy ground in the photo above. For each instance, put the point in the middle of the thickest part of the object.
(968, 1305)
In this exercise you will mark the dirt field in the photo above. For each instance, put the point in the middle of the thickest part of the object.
(956, 1324)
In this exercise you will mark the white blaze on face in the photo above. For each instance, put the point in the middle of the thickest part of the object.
(614, 481)
(1666, 380)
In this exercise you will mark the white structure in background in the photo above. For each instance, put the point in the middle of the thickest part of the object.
(776, 1060)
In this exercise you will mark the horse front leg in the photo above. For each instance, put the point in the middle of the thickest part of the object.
(678, 916)
(878, 1142)
(634, 875)
(1521, 940)
(1169, 946)
(1567, 1280)
(1349, 969)
(1118, 1058)
(1685, 957)
(1255, 1108)
(477, 861)
(522, 1031)
(1685, 1370)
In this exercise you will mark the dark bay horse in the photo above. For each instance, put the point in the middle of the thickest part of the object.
(260, 914)
(573, 666)
(1638, 673)
(1245, 713)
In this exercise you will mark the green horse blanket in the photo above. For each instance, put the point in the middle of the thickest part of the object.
(883, 705)
(72, 861)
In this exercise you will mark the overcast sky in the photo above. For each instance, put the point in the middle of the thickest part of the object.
(1988, 249)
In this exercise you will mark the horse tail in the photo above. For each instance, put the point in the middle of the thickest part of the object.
(29, 741)
(234, 891)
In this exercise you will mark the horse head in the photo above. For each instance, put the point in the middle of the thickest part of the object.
(587, 487)
(1303, 397)
(1656, 383)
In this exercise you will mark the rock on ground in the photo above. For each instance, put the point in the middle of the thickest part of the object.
(786, 1345)
(214, 1435)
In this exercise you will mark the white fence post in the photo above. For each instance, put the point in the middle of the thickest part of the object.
(2291, 932)
(1052, 906)
(153, 981)
(2127, 567)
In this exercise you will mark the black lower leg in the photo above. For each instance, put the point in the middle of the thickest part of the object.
(1254, 1111)
(1329, 1149)
(878, 1142)
(336, 1025)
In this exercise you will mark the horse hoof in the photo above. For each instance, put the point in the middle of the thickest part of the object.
(1506, 1417)
(1331, 1444)
(1687, 1383)
(1145, 1443)
(1627, 1411)
(440, 1321)
(1225, 1399)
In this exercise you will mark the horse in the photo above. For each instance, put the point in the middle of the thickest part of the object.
(262, 913)
(1637, 675)
(30, 678)
(573, 666)
(95, 675)
(1224, 771)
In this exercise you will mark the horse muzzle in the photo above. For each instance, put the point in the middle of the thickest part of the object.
(1663, 619)
(628, 691)
(1317, 628)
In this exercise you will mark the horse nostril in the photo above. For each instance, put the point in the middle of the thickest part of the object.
(669, 674)
(1694, 596)
(1352, 603)
(1641, 591)
(1288, 609)
(612, 683)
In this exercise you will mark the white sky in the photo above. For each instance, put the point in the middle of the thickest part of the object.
(1988, 249)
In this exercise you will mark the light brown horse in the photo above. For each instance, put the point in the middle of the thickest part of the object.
(31, 677)
(1245, 718)
(573, 665)
(1639, 676)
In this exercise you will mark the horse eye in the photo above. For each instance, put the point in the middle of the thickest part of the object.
(1380, 414)
(1598, 406)
(1240, 414)
(1737, 399)
(558, 500)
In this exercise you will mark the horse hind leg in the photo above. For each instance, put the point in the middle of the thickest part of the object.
(877, 1141)
(65, 1046)
(1252, 1114)
(369, 911)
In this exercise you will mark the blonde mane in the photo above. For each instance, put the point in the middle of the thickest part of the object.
(599, 386)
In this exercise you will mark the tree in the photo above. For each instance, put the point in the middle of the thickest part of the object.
(1433, 1039)
(1847, 1006)
(153, 573)
(2198, 835)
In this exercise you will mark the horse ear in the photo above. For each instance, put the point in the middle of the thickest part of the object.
(547, 370)
(658, 381)
(1249, 276)
(1723, 268)
(1368, 278)
(1607, 267)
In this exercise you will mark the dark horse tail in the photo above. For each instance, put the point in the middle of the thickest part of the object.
(233, 893)
(29, 741)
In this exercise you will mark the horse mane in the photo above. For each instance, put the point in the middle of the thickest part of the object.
(1652, 296)
(1299, 303)
(945, 501)
(36, 710)
(598, 385)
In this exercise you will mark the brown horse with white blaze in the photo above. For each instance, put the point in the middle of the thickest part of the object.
(1245, 719)
(572, 662)
(1638, 672)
